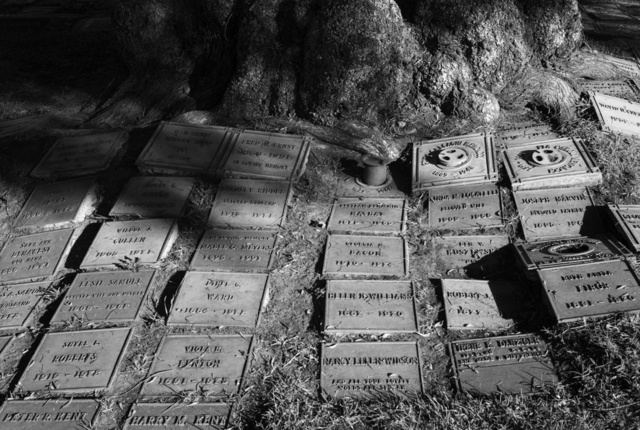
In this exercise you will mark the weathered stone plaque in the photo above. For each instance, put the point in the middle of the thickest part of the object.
(365, 369)
(478, 255)
(183, 148)
(457, 160)
(623, 89)
(509, 364)
(154, 197)
(58, 205)
(125, 242)
(250, 203)
(630, 67)
(591, 290)
(370, 307)
(526, 132)
(557, 212)
(4, 342)
(166, 416)
(606, 12)
(466, 207)
(349, 186)
(627, 222)
(365, 255)
(554, 163)
(368, 215)
(255, 154)
(105, 296)
(17, 303)
(213, 364)
(77, 361)
(80, 155)
(480, 305)
(61, 414)
(617, 115)
(233, 250)
(219, 299)
(34, 257)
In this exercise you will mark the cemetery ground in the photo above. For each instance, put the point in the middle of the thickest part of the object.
(597, 360)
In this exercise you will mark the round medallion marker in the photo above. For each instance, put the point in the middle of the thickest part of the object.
(549, 157)
(454, 157)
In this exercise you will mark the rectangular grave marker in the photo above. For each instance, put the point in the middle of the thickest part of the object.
(105, 296)
(61, 414)
(122, 242)
(165, 416)
(622, 89)
(80, 155)
(213, 364)
(80, 361)
(631, 67)
(34, 257)
(250, 203)
(526, 132)
(364, 369)
(591, 290)
(219, 299)
(370, 307)
(368, 215)
(4, 342)
(509, 364)
(233, 250)
(477, 255)
(365, 255)
(467, 207)
(18, 302)
(557, 212)
(58, 205)
(617, 115)
(627, 222)
(607, 12)
(153, 197)
(22, 125)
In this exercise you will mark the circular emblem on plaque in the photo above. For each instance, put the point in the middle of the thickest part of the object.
(550, 157)
(572, 249)
(454, 157)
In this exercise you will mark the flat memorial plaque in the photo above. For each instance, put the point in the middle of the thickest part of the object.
(168, 416)
(105, 296)
(591, 290)
(627, 222)
(153, 197)
(557, 212)
(17, 303)
(349, 186)
(554, 163)
(219, 299)
(34, 257)
(61, 414)
(367, 369)
(368, 215)
(255, 154)
(370, 307)
(120, 242)
(212, 364)
(467, 207)
(607, 12)
(58, 205)
(478, 255)
(524, 133)
(80, 155)
(235, 250)
(4, 342)
(365, 255)
(250, 203)
(630, 67)
(508, 364)
(459, 160)
(617, 115)
(623, 89)
(183, 148)
(77, 361)
(22, 125)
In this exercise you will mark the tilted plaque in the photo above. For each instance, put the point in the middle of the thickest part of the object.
(105, 296)
(478, 255)
(34, 257)
(627, 222)
(508, 364)
(153, 197)
(178, 148)
(4, 342)
(526, 132)
(211, 364)
(77, 361)
(166, 416)
(22, 125)
(250, 203)
(235, 250)
(60, 414)
(18, 302)
(557, 212)
(370, 307)
(368, 215)
(456, 160)
(365, 255)
(591, 290)
(554, 163)
(219, 299)
(623, 89)
(366, 369)
(80, 155)
(617, 115)
(606, 12)
(349, 186)
(631, 67)
(130, 242)
(58, 205)
(466, 207)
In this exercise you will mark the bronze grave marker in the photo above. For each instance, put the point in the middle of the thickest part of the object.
(465, 207)
(617, 115)
(365, 255)
(627, 222)
(368, 215)
(166, 416)
(526, 132)
(153, 197)
(622, 89)
(478, 255)
(235, 250)
(60, 414)
(17, 303)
